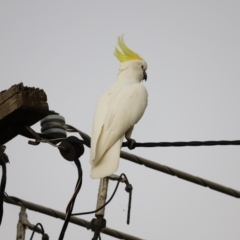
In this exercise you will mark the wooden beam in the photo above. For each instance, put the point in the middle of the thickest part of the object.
(20, 106)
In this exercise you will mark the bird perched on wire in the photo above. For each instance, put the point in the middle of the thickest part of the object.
(117, 111)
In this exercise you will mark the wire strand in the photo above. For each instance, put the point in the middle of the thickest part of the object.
(105, 204)
(184, 144)
(87, 138)
(34, 230)
(72, 200)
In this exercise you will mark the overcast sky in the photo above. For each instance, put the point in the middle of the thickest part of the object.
(192, 50)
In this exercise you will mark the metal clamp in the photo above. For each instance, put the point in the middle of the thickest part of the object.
(23, 222)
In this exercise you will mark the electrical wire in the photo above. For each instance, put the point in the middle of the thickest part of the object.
(34, 230)
(174, 172)
(129, 189)
(86, 140)
(60, 215)
(3, 161)
(72, 200)
(184, 144)
(180, 174)
(105, 204)
(2, 189)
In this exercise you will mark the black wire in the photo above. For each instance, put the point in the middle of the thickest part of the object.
(2, 189)
(105, 204)
(129, 206)
(176, 144)
(184, 144)
(35, 228)
(72, 201)
(86, 141)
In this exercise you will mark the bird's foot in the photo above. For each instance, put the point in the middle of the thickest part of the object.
(130, 143)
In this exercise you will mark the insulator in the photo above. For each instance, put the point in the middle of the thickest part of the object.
(52, 126)
(71, 148)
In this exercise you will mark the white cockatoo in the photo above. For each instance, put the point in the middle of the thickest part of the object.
(117, 111)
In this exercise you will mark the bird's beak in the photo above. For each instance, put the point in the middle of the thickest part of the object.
(144, 75)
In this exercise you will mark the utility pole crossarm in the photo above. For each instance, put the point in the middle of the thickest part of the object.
(20, 106)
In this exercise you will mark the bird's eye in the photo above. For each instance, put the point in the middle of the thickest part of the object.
(142, 66)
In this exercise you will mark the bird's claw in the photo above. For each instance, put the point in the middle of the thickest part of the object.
(131, 143)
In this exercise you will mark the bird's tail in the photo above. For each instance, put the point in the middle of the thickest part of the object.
(109, 162)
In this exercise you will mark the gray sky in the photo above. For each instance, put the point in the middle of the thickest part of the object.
(192, 50)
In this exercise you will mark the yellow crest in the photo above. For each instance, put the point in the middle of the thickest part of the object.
(127, 54)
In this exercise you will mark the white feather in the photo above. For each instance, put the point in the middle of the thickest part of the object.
(117, 111)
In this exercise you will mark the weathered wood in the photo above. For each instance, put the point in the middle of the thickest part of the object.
(20, 106)
(102, 196)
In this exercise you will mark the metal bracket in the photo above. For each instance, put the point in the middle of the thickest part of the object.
(35, 135)
(23, 222)
(96, 225)
(115, 177)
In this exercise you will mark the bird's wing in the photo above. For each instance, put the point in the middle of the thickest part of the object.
(116, 113)
(99, 118)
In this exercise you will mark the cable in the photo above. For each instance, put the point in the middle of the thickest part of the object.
(160, 144)
(183, 175)
(3, 161)
(105, 204)
(72, 200)
(2, 189)
(184, 144)
(86, 140)
(34, 230)
(174, 172)
(129, 189)
(60, 215)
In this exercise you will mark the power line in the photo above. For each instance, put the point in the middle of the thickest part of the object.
(87, 138)
(130, 157)
(141, 161)
(61, 215)
(171, 171)
(184, 144)
(183, 175)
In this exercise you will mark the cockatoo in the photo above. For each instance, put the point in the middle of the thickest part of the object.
(117, 111)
